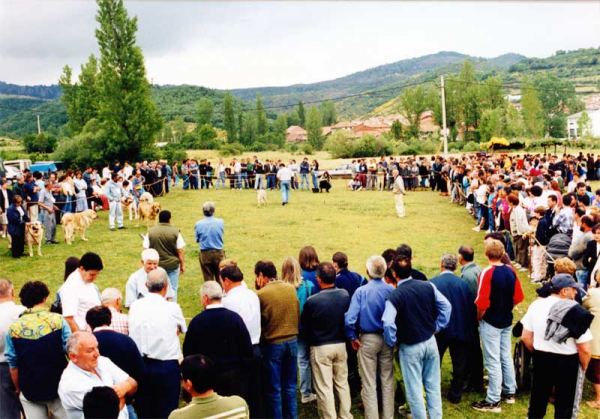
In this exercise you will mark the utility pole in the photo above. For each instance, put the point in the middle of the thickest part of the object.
(445, 129)
(39, 127)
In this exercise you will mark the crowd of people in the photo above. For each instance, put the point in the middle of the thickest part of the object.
(318, 329)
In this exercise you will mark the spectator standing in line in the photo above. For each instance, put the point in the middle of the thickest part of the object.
(101, 403)
(280, 316)
(561, 353)
(46, 204)
(221, 335)
(498, 293)
(169, 244)
(405, 250)
(349, 281)
(309, 261)
(364, 328)
(136, 284)
(413, 313)
(154, 326)
(209, 234)
(323, 322)
(399, 193)
(460, 332)
(111, 298)
(10, 407)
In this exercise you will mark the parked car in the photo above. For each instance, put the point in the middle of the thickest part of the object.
(343, 171)
(20, 165)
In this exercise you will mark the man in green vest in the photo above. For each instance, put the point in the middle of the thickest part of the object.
(169, 244)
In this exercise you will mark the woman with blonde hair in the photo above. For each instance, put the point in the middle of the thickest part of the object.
(309, 260)
(291, 272)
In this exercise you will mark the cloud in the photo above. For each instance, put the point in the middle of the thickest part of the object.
(245, 44)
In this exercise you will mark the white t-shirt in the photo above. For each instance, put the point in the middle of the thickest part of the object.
(535, 321)
(9, 313)
(77, 297)
(284, 174)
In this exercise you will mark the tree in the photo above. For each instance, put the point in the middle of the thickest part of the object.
(80, 99)
(492, 96)
(492, 124)
(240, 125)
(301, 115)
(179, 129)
(206, 109)
(39, 143)
(329, 113)
(125, 106)
(314, 128)
(293, 118)
(229, 117)
(514, 122)
(249, 129)
(531, 110)
(262, 125)
(556, 96)
(468, 97)
(396, 130)
(584, 124)
(413, 103)
(280, 126)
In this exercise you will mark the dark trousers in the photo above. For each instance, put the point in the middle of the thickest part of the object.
(254, 392)
(158, 394)
(458, 353)
(353, 376)
(475, 365)
(554, 371)
(18, 243)
(229, 383)
(10, 406)
(209, 263)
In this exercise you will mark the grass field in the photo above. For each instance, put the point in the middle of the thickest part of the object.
(358, 223)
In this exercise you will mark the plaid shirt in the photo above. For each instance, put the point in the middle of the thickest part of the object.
(564, 221)
(120, 322)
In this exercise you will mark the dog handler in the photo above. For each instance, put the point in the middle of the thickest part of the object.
(46, 203)
(115, 193)
(285, 176)
(399, 193)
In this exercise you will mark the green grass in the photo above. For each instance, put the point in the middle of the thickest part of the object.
(358, 223)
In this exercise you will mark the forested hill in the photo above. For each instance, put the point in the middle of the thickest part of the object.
(40, 92)
(381, 77)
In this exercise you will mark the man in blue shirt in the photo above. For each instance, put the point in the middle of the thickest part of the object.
(366, 308)
(414, 312)
(462, 326)
(209, 233)
(304, 168)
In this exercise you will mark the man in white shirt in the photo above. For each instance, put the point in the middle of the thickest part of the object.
(9, 313)
(86, 370)
(285, 176)
(154, 326)
(136, 285)
(79, 293)
(556, 365)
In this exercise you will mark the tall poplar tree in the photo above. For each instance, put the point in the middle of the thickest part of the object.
(262, 125)
(125, 106)
(314, 128)
(301, 114)
(229, 117)
(205, 112)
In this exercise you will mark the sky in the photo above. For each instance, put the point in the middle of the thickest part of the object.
(229, 45)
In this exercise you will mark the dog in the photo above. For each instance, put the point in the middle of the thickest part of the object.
(261, 197)
(147, 198)
(34, 234)
(77, 222)
(148, 212)
(129, 205)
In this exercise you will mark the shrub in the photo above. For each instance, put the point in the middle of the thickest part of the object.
(471, 146)
(455, 146)
(307, 149)
(232, 149)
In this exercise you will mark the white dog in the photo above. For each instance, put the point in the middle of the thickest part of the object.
(34, 234)
(147, 198)
(261, 197)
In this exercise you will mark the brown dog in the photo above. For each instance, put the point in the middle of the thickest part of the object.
(34, 234)
(148, 212)
(77, 222)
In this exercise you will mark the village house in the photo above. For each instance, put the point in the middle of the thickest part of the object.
(593, 128)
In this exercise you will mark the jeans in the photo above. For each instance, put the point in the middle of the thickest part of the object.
(282, 372)
(315, 180)
(498, 362)
(186, 182)
(159, 395)
(420, 365)
(581, 275)
(173, 275)
(238, 181)
(285, 191)
(260, 181)
(175, 183)
(49, 221)
(245, 179)
(131, 411)
(304, 367)
(271, 181)
(304, 180)
(115, 212)
(220, 180)
(9, 400)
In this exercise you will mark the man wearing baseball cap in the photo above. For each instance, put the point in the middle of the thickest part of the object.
(556, 330)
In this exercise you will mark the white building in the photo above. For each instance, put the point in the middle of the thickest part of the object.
(593, 128)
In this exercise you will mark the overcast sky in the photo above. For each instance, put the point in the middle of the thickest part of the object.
(251, 44)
